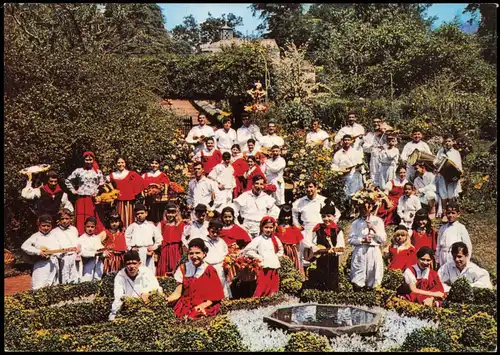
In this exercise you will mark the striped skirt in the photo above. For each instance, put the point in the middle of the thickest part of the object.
(290, 250)
(113, 263)
(170, 255)
(126, 211)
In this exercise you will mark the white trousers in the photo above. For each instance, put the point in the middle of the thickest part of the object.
(45, 273)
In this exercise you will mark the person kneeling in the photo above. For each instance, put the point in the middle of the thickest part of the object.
(133, 280)
(422, 281)
(199, 289)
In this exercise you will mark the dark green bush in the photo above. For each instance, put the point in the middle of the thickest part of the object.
(485, 296)
(290, 278)
(392, 279)
(427, 338)
(461, 292)
(368, 298)
(480, 331)
(306, 342)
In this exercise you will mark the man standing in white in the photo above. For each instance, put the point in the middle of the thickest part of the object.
(450, 233)
(367, 235)
(274, 168)
(317, 136)
(271, 138)
(225, 137)
(144, 237)
(306, 215)
(246, 131)
(355, 130)
(200, 189)
(416, 143)
(134, 280)
(223, 175)
(197, 134)
(253, 205)
(372, 145)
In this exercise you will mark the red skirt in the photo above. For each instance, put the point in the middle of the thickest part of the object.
(268, 282)
(170, 255)
(126, 211)
(113, 263)
(84, 208)
(290, 250)
(185, 308)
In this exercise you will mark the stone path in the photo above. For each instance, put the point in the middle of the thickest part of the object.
(16, 284)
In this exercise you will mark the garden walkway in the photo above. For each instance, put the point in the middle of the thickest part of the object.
(16, 284)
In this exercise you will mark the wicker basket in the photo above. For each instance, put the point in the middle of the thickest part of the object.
(246, 274)
(8, 258)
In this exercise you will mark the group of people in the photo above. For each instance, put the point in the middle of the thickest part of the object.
(236, 204)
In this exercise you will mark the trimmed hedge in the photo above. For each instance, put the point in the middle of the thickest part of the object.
(290, 279)
(306, 341)
(427, 338)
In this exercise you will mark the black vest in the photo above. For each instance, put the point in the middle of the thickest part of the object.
(323, 240)
(48, 203)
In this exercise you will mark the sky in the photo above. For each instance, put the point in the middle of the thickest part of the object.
(175, 13)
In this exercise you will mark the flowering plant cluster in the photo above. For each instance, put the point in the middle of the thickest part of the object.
(255, 108)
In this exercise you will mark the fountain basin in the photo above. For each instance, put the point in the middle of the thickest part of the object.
(328, 320)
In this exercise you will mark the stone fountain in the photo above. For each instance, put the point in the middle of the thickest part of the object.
(328, 320)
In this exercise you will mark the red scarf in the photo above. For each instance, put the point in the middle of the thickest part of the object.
(94, 164)
(328, 228)
(268, 219)
(50, 191)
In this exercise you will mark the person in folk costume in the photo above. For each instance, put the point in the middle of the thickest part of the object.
(373, 143)
(143, 236)
(46, 267)
(208, 156)
(409, 148)
(217, 251)
(367, 234)
(240, 166)
(290, 236)
(425, 187)
(421, 284)
(231, 232)
(134, 280)
(408, 205)
(448, 191)
(349, 161)
(253, 205)
(247, 131)
(387, 162)
(354, 130)
(197, 134)
(198, 227)
(267, 248)
(130, 184)
(223, 175)
(401, 254)
(199, 289)
(171, 245)
(84, 183)
(422, 233)
(317, 136)
(271, 139)
(91, 251)
(461, 266)
(201, 190)
(394, 189)
(225, 136)
(254, 150)
(450, 233)
(115, 243)
(274, 169)
(50, 197)
(328, 235)
(68, 239)
(253, 170)
(156, 176)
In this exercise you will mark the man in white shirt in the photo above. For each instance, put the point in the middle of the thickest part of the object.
(426, 187)
(197, 134)
(200, 189)
(253, 205)
(355, 130)
(274, 168)
(143, 236)
(373, 143)
(409, 148)
(134, 280)
(350, 162)
(198, 228)
(271, 138)
(306, 215)
(317, 136)
(225, 137)
(462, 267)
(246, 131)
(223, 175)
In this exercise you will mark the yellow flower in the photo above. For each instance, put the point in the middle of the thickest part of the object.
(486, 178)
(302, 176)
(295, 156)
(173, 156)
(290, 163)
(478, 186)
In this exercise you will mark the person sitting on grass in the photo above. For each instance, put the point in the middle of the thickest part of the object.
(462, 267)
(134, 280)
(421, 284)
(401, 254)
(199, 290)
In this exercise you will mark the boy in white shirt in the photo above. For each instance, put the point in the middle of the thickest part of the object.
(416, 143)
(68, 239)
(271, 138)
(198, 228)
(226, 136)
(353, 129)
(425, 188)
(408, 205)
(317, 136)
(91, 251)
(274, 168)
(247, 131)
(223, 175)
(197, 134)
(144, 237)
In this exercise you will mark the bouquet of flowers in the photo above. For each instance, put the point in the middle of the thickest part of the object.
(246, 268)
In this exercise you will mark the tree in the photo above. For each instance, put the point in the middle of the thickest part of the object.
(188, 32)
(210, 29)
(487, 30)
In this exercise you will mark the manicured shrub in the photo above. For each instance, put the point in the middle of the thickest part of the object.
(480, 331)
(290, 278)
(225, 335)
(306, 341)
(461, 292)
(427, 338)
(485, 296)
(392, 279)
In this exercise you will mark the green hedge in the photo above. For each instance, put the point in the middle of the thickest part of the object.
(306, 341)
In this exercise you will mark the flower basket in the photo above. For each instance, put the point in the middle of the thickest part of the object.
(8, 258)
(246, 274)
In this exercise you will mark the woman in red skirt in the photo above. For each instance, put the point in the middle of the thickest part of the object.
(421, 284)
(267, 249)
(199, 290)
(422, 232)
(289, 235)
(401, 254)
(171, 246)
(208, 156)
(115, 244)
(240, 165)
(84, 183)
(130, 184)
(156, 176)
(394, 190)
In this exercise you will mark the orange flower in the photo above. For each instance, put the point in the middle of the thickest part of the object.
(486, 178)
(478, 186)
